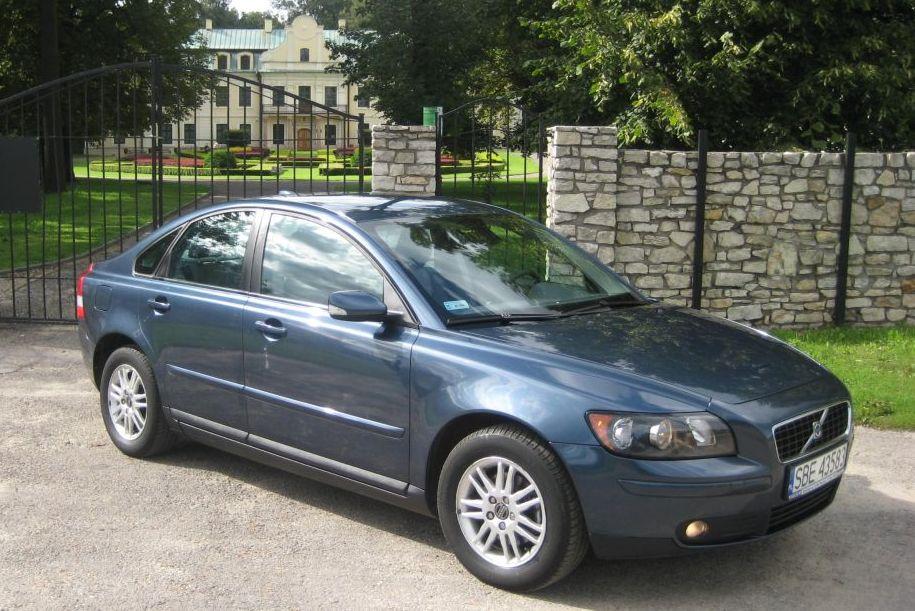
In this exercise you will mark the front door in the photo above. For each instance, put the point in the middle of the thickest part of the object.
(303, 139)
(193, 313)
(328, 392)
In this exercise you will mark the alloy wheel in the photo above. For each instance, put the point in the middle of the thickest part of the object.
(127, 404)
(500, 511)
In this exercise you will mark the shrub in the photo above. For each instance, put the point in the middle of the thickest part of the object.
(236, 138)
(220, 158)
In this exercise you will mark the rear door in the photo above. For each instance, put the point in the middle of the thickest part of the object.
(328, 392)
(192, 315)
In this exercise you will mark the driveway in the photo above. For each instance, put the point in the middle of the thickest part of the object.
(85, 526)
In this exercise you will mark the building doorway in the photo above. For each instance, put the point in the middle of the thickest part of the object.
(303, 139)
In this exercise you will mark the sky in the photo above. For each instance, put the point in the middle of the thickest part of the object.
(249, 6)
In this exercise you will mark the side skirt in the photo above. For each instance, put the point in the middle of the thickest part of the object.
(414, 499)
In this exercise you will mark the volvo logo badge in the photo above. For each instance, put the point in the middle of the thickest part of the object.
(817, 430)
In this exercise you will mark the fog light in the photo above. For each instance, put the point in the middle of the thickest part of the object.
(697, 528)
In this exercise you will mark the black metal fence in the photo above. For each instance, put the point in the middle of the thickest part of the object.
(123, 148)
(492, 150)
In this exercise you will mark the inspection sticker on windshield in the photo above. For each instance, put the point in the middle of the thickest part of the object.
(460, 304)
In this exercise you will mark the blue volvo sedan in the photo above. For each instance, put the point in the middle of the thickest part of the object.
(459, 360)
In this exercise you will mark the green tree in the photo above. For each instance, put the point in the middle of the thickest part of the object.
(40, 41)
(756, 73)
(224, 16)
(414, 53)
(325, 12)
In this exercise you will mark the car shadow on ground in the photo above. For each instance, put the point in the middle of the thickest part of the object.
(352, 506)
(819, 560)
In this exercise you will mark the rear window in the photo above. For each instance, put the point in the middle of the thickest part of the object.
(148, 261)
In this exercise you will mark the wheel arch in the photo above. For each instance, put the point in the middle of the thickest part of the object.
(105, 346)
(452, 433)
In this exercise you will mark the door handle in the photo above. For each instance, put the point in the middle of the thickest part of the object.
(271, 327)
(160, 304)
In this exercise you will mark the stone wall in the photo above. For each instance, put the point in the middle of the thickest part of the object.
(403, 160)
(771, 226)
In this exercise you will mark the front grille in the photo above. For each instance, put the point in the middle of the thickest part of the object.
(794, 511)
(792, 436)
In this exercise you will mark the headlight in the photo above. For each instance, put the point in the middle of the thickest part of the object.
(695, 435)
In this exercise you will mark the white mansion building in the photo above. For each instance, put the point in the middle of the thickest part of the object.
(293, 59)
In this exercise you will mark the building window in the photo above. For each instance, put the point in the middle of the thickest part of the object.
(222, 62)
(305, 94)
(244, 62)
(330, 135)
(246, 132)
(222, 132)
(244, 96)
(221, 96)
(279, 133)
(330, 96)
(362, 101)
(303, 55)
(279, 96)
(119, 138)
(190, 134)
(166, 133)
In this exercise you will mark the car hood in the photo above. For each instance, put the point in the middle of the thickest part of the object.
(696, 351)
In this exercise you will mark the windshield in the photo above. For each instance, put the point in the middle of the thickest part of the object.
(493, 264)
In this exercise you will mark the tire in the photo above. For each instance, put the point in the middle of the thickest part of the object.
(154, 436)
(563, 540)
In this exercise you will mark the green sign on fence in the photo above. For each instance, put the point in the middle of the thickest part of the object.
(430, 113)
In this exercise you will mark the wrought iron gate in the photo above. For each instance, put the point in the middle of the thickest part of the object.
(123, 148)
(492, 150)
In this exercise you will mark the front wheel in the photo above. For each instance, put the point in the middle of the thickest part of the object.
(509, 510)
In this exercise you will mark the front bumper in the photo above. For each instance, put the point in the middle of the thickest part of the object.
(640, 508)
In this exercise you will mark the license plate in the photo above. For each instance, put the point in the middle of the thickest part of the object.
(816, 472)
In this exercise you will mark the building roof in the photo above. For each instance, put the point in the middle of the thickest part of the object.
(251, 39)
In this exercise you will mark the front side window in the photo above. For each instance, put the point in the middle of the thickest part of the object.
(244, 62)
(148, 261)
(330, 135)
(244, 96)
(307, 262)
(362, 101)
(167, 133)
(279, 133)
(212, 250)
(486, 264)
(222, 133)
(303, 55)
(222, 62)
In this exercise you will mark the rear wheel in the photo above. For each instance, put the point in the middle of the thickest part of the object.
(509, 511)
(130, 405)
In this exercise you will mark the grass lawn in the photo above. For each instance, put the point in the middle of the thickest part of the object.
(877, 364)
(117, 208)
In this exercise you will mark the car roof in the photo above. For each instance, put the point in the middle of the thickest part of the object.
(366, 208)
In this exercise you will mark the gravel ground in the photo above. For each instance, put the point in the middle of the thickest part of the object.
(85, 526)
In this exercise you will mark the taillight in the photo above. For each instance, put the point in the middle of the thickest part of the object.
(80, 311)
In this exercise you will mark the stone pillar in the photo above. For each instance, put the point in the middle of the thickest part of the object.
(581, 186)
(403, 160)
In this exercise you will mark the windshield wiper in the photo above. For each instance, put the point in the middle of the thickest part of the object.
(504, 319)
(623, 300)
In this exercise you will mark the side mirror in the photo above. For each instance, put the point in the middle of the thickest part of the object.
(357, 306)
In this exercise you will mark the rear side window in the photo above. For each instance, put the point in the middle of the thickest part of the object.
(148, 261)
(307, 262)
(212, 250)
